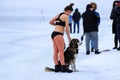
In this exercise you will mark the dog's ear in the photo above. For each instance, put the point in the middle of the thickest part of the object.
(71, 43)
(77, 43)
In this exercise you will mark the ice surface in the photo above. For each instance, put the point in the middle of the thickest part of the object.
(26, 49)
(26, 46)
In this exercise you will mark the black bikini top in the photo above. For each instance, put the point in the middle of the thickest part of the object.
(59, 21)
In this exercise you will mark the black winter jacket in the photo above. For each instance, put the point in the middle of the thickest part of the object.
(76, 16)
(112, 17)
(117, 16)
(90, 23)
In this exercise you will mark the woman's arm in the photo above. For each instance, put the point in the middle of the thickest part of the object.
(52, 21)
(67, 28)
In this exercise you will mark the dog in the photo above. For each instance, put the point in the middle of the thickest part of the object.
(70, 55)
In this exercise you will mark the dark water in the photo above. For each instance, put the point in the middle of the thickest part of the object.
(21, 18)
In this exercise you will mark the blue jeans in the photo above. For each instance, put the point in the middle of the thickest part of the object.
(91, 36)
(92, 44)
(76, 23)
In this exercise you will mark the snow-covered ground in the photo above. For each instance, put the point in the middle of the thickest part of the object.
(26, 46)
(26, 49)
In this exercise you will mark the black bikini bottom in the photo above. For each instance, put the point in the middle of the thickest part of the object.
(54, 34)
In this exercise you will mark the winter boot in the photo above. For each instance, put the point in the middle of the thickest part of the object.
(88, 52)
(65, 69)
(92, 49)
(57, 68)
(97, 52)
(118, 49)
(115, 48)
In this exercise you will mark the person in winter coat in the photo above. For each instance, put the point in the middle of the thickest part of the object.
(94, 5)
(116, 15)
(90, 28)
(114, 31)
(70, 23)
(76, 20)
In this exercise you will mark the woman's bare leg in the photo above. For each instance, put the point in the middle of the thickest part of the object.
(59, 40)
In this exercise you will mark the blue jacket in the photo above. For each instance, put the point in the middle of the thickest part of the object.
(98, 18)
(70, 19)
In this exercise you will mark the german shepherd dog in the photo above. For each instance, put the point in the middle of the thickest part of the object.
(70, 55)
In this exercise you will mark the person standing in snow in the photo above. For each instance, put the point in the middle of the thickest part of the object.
(90, 28)
(94, 5)
(116, 15)
(76, 19)
(61, 24)
(70, 23)
(114, 31)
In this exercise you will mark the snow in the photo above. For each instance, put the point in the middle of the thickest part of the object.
(26, 49)
(26, 46)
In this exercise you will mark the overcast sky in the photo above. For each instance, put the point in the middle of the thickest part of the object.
(49, 6)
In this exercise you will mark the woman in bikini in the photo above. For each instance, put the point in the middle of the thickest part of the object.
(61, 24)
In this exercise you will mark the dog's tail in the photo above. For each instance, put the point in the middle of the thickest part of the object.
(47, 69)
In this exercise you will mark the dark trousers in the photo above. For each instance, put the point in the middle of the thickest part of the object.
(118, 32)
(116, 40)
(70, 24)
(76, 23)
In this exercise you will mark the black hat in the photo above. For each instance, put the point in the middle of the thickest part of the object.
(76, 10)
